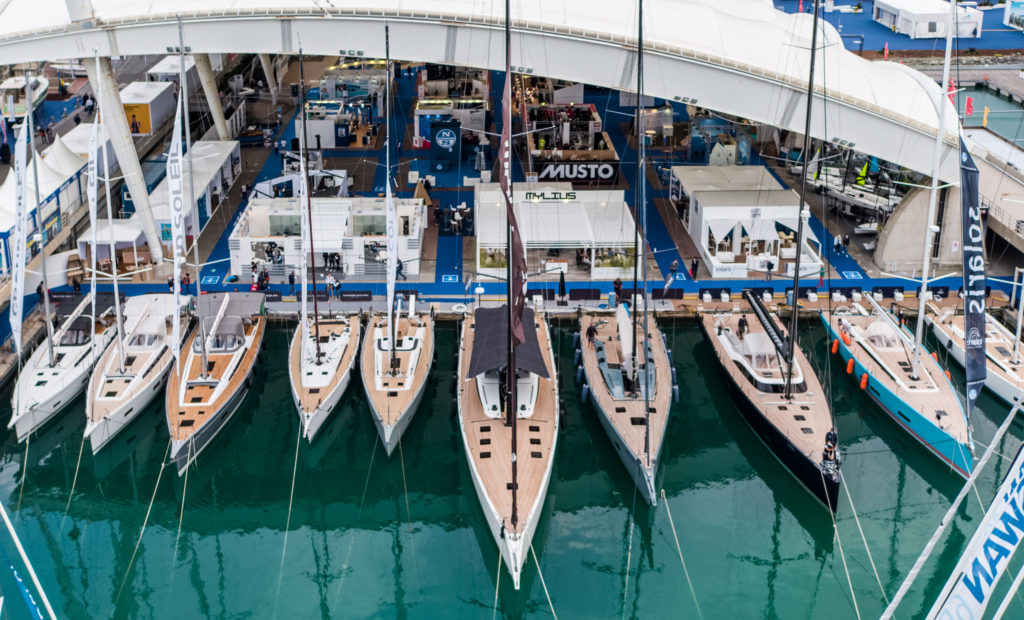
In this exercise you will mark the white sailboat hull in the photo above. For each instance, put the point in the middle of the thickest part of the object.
(994, 381)
(101, 432)
(339, 360)
(391, 435)
(643, 477)
(313, 419)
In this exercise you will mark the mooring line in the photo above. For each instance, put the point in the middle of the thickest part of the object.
(679, 548)
(542, 582)
(352, 541)
(629, 551)
(863, 538)
(181, 512)
(74, 480)
(497, 587)
(288, 519)
(145, 521)
(408, 513)
(24, 473)
(842, 552)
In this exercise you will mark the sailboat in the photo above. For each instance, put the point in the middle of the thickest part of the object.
(133, 371)
(1004, 360)
(507, 382)
(134, 368)
(399, 350)
(892, 364)
(57, 372)
(213, 371)
(626, 366)
(323, 349)
(771, 380)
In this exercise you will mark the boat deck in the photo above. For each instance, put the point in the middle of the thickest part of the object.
(402, 385)
(998, 348)
(806, 418)
(310, 396)
(930, 393)
(187, 417)
(489, 441)
(627, 415)
(117, 386)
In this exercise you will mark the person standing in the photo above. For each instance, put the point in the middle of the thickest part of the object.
(76, 285)
(591, 334)
(673, 268)
(617, 287)
(742, 326)
(837, 244)
(291, 281)
(821, 277)
(398, 270)
(769, 266)
(170, 284)
(693, 269)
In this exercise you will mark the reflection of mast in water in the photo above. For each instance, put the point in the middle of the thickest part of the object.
(773, 567)
(396, 550)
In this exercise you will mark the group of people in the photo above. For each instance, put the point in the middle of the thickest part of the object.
(186, 281)
(842, 244)
(582, 259)
(332, 261)
(260, 278)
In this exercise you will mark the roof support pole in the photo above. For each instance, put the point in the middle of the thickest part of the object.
(209, 83)
(268, 71)
(101, 76)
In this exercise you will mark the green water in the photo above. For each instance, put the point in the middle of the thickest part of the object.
(405, 538)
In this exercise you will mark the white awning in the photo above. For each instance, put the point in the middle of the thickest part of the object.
(761, 229)
(721, 228)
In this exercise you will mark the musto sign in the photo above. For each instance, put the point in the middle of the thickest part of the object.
(593, 172)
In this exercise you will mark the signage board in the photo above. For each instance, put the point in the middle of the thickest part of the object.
(588, 172)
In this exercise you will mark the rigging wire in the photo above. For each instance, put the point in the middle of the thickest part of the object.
(542, 582)
(629, 550)
(288, 519)
(864, 539)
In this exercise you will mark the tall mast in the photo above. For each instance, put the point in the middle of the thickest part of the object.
(309, 205)
(510, 404)
(194, 208)
(389, 206)
(42, 244)
(113, 256)
(638, 240)
(934, 196)
(800, 216)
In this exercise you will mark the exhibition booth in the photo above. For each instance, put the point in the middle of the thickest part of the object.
(586, 234)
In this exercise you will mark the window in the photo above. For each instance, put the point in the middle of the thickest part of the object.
(933, 27)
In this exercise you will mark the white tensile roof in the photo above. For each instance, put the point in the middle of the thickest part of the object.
(741, 57)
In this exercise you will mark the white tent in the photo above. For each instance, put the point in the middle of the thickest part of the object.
(59, 157)
(126, 233)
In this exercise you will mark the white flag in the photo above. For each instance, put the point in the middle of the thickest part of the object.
(18, 240)
(392, 247)
(175, 185)
(970, 586)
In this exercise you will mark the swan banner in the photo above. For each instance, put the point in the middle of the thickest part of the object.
(517, 282)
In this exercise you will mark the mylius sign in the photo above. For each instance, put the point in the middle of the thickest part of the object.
(592, 172)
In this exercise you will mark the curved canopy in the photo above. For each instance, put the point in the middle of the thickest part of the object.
(62, 159)
(742, 57)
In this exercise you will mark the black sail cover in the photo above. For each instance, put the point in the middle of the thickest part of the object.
(490, 343)
(974, 277)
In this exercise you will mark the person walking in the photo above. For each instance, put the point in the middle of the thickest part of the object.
(398, 270)
(673, 268)
(170, 284)
(591, 334)
(291, 281)
(693, 269)
(846, 245)
(617, 287)
(821, 277)
(837, 244)
(769, 266)
(742, 326)
(76, 285)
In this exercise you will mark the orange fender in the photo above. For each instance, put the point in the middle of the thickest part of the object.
(835, 346)
(849, 367)
(846, 339)
(948, 376)
(864, 381)
(935, 356)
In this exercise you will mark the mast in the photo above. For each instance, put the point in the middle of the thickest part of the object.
(194, 208)
(641, 220)
(510, 404)
(42, 244)
(309, 205)
(793, 319)
(934, 195)
(113, 257)
(389, 205)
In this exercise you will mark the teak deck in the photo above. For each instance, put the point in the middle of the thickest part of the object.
(805, 419)
(185, 418)
(108, 391)
(489, 441)
(310, 397)
(623, 413)
(997, 347)
(390, 405)
(930, 393)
